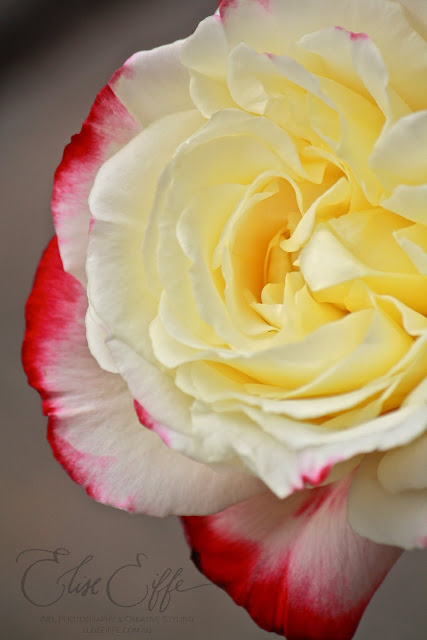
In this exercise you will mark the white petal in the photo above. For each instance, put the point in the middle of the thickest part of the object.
(388, 518)
(93, 428)
(405, 468)
(154, 84)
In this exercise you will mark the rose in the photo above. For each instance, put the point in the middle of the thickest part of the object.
(242, 266)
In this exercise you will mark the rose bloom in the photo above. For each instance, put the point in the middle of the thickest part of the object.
(230, 324)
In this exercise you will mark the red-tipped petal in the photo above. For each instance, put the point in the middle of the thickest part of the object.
(108, 127)
(295, 565)
(148, 86)
(93, 428)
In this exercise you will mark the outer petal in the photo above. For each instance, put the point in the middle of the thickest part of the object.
(295, 565)
(150, 85)
(93, 428)
(398, 518)
(153, 84)
(405, 468)
(108, 127)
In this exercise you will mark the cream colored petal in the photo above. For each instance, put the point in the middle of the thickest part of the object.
(152, 387)
(417, 396)
(382, 346)
(169, 347)
(232, 148)
(405, 468)
(206, 50)
(406, 374)
(279, 29)
(306, 452)
(415, 324)
(417, 12)
(165, 82)
(310, 367)
(388, 518)
(214, 383)
(399, 155)
(210, 95)
(331, 269)
(333, 202)
(325, 262)
(386, 24)
(413, 241)
(409, 202)
(346, 121)
(371, 237)
(384, 432)
(120, 203)
(357, 63)
(96, 335)
(205, 55)
(254, 23)
(222, 436)
(198, 231)
(243, 262)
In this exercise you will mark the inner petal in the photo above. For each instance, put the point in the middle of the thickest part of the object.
(253, 254)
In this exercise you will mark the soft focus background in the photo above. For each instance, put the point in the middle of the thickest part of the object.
(55, 57)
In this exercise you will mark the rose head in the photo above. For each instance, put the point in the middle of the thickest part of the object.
(230, 324)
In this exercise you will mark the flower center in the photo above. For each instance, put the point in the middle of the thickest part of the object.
(278, 262)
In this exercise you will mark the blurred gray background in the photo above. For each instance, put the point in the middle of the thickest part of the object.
(55, 57)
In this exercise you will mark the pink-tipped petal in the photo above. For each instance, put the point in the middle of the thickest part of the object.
(107, 129)
(93, 428)
(352, 35)
(295, 565)
(150, 85)
(153, 84)
(225, 5)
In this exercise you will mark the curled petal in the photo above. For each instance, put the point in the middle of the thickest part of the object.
(398, 518)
